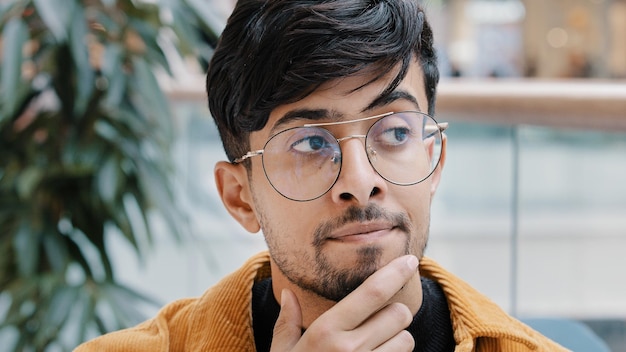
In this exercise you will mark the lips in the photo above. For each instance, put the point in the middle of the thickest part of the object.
(361, 231)
(357, 224)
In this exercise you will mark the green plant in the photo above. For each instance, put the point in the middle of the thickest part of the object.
(85, 133)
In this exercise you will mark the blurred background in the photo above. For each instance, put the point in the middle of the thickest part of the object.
(532, 207)
(531, 38)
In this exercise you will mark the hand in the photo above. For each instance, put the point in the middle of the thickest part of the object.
(362, 321)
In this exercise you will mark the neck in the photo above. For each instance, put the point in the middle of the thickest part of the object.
(313, 305)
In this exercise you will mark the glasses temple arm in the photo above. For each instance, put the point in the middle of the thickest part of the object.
(439, 127)
(248, 155)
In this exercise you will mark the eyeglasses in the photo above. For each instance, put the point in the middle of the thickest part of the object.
(303, 163)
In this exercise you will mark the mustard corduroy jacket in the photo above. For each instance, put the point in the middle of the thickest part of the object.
(221, 319)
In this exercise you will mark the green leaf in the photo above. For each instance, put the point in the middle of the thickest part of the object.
(123, 303)
(115, 94)
(56, 251)
(56, 14)
(28, 181)
(151, 37)
(112, 61)
(108, 180)
(109, 3)
(14, 36)
(75, 253)
(87, 307)
(63, 298)
(128, 294)
(123, 223)
(210, 19)
(156, 186)
(80, 54)
(105, 130)
(138, 222)
(26, 246)
(187, 32)
(154, 102)
(112, 70)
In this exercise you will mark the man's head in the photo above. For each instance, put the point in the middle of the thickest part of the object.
(274, 52)
(281, 65)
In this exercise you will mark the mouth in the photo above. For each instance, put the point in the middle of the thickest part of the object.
(362, 232)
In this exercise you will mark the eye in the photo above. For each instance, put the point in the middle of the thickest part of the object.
(310, 144)
(394, 135)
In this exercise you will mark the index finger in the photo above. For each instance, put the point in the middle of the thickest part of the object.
(375, 292)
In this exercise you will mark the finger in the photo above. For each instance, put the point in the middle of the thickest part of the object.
(375, 292)
(288, 327)
(383, 326)
(402, 342)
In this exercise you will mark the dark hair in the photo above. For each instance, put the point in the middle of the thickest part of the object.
(275, 52)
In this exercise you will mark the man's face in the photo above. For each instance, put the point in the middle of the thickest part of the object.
(331, 244)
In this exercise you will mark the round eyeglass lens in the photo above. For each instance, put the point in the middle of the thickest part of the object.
(404, 148)
(302, 163)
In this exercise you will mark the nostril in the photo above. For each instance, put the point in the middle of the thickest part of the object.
(349, 196)
(345, 196)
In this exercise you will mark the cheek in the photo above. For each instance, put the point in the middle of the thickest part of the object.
(282, 220)
(415, 200)
(429, 145)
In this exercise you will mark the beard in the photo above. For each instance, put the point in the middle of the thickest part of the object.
(317, 274)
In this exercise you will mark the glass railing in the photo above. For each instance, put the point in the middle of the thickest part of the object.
(532, 209)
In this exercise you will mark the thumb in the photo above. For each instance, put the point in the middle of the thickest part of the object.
(288, 328)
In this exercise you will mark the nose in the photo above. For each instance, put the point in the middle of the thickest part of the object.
(358, 182)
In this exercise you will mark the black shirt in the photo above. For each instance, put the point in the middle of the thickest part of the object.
(431, 327)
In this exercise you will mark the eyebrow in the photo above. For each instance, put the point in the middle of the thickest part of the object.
(305, 114)
(319, 114)
(386, 99)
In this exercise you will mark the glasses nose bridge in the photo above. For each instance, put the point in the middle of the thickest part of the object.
(339, 140)
(353, 136)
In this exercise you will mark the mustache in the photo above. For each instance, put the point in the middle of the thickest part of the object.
(356, 214)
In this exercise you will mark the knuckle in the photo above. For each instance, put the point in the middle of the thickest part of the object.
(324, 337)
(406, 340)
(403, 341)
(333, 343)
(346, 345)
(322, 332)
(400, 312)
(377, 292)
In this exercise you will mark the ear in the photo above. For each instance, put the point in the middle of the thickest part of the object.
(436, 176)
(234, 190)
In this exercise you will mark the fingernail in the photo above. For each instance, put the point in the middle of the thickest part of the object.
(282, 298)
(412, 262)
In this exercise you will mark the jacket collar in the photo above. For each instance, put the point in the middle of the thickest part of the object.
(474, 315)
(228, 306)
(224, 312)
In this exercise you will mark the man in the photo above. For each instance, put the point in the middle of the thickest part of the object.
(323, 109)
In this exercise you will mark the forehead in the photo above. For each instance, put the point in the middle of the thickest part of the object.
(351, 98)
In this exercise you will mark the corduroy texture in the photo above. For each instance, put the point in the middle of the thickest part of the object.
(221, 319)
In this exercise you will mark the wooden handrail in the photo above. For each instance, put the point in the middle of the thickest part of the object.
(584, 104)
